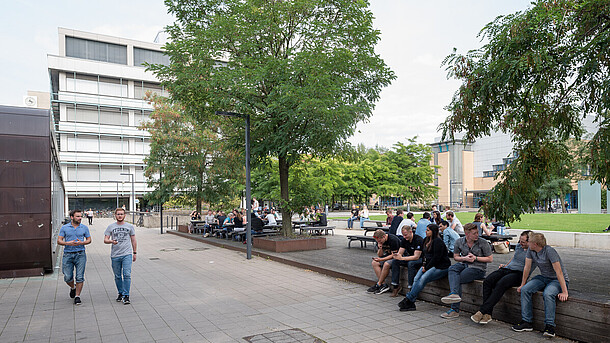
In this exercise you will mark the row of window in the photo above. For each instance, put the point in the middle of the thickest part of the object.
(103, 144)
(111, 53)
(90, 84)
(86, 173)
(103, 115)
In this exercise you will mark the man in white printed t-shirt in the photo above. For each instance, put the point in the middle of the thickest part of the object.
(122, 236)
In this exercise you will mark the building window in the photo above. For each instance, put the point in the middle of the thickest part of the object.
(90, 84)
(140, 56)
(96, 51)
(140, 89)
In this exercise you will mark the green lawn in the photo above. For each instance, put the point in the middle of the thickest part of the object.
(573, 222)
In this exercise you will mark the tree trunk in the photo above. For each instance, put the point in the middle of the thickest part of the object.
(285, 197)
(198, 196)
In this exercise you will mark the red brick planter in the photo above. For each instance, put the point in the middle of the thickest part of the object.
(285, 244)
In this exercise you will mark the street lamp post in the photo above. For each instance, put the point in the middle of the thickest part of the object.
(132, 204)
(248, 195)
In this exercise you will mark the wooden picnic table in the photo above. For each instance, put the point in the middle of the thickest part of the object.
(385, 228)
(318, 229)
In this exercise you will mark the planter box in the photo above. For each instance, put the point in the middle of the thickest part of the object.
(284, 244)
(183, 228)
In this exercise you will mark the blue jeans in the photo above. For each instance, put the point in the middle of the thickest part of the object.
(73, 260)
(412, 268)
(460, 273)
(421, 279)
(121, 266)
(551, 288)
(362, 219)
(350, 222)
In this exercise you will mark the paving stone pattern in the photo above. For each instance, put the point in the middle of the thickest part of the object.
(182, 292)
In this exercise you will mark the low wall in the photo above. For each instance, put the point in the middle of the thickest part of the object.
(577, 239)
(583, 317)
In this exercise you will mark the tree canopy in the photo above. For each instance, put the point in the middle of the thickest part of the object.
(541, 72)
(304, 70)
(403, 171)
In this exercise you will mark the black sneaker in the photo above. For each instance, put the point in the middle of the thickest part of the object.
(119, 298)
(72, 292)
(408, 305)
(126, 300)
(373, 288)
(523, 326)
(549, 331)
(384, 288)
(77, 301)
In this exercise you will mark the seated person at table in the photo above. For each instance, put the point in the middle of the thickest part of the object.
(355, 215)
(449, 237)
(389, 217)
(220, 218)
(552, 281)
(506, 276)
(472, 255)
(396, 221)
(210, 220)
(320, 219)
(407, 221)
(435, 267)
(256, 223)
(478, 221)
(387, 245)
(228, 222)
(238, 221)
(409, 255)
(270, 218)
(454, 222)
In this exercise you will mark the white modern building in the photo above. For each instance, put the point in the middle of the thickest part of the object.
(97, 87)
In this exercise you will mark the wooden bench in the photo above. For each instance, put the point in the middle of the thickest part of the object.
(317, 229)
(363, 240)
(373, 229)
(583, 317)
(241, 235)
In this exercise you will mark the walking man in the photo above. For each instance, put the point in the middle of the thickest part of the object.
(122, 236)
(74, 236)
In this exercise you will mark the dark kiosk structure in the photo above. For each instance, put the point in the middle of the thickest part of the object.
(32, 192)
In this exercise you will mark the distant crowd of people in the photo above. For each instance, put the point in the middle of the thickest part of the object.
(236, 220)
(427, 246)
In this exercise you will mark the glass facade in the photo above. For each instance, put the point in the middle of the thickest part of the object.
(96, 51)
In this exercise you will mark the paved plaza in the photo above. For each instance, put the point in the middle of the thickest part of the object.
(188, 291)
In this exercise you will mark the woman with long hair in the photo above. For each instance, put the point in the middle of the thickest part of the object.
(436, 218)
(436, 265)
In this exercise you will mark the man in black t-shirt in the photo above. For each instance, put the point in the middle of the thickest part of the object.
(396, 222)
(387, 245)
(354, 217)
(409, 255)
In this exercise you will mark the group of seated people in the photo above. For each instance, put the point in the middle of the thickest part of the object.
(236, 220)
(427, 259)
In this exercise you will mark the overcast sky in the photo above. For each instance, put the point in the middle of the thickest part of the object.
(415, 38)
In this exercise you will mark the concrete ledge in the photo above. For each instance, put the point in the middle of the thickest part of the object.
(582, 317)
(582, 240)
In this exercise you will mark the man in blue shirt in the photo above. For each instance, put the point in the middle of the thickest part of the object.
(422, 224)
(74, 236)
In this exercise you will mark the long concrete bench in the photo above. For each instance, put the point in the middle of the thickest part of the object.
(583, 317)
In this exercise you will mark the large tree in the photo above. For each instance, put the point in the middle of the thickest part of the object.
(540, 73)
(304, 70)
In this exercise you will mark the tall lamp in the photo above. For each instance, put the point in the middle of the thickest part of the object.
(248, 194)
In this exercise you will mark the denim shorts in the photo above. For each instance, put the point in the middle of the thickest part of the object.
(72, 260)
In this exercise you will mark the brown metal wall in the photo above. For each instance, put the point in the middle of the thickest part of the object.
(25, 189)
